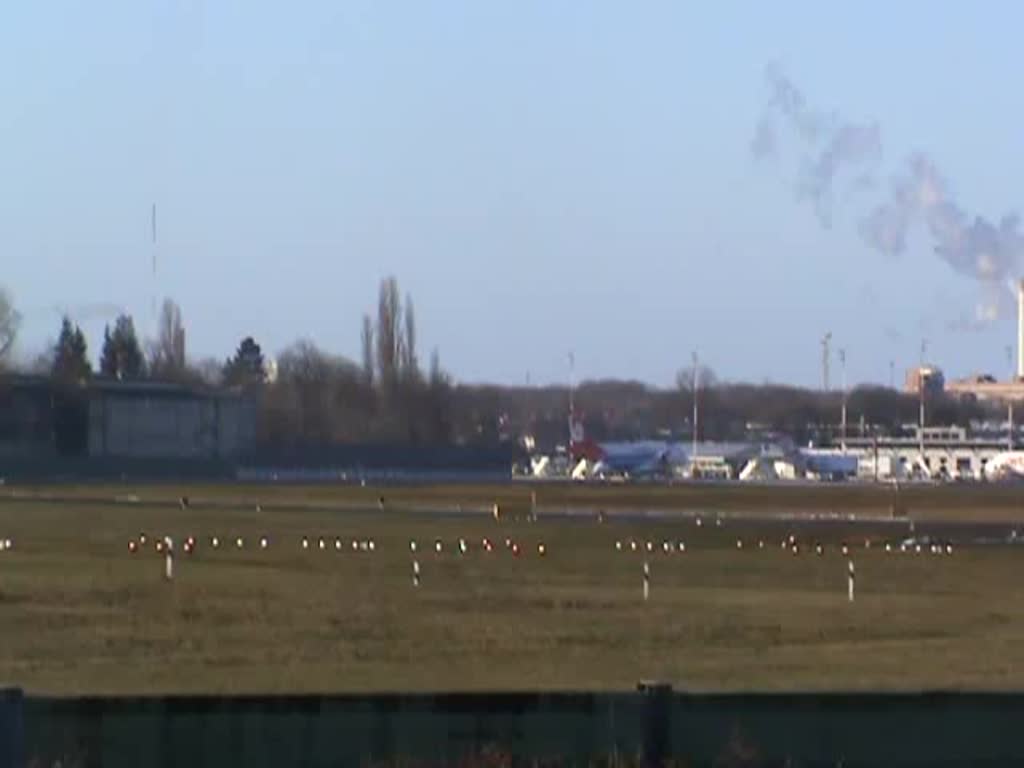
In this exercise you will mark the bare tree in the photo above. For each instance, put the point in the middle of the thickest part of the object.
(10, 321)
(410, 365)
(389, 333)
(368, 350)
(705, 378)
(168, 351)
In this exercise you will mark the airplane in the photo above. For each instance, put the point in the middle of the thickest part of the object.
(1008, 465)
(632, 459)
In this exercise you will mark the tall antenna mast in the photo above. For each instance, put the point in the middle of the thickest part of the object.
(152, 301)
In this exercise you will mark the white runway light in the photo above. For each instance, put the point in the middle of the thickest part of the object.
(373, 546)
(412, 546)
(240, 542)
(337, 545)
(647, 581)
(215, 542)
(438, 546)
(462, 546)
(850, 581)
(322, 544)
(264, 543)
(415, 573)
(618, 546)
(682, 546)
(305, 543)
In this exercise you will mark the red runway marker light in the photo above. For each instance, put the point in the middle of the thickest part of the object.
(132, 547)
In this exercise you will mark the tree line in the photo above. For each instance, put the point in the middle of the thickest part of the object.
(312, 397)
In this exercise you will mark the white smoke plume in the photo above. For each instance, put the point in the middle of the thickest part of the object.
(918, 196)
(829, 145)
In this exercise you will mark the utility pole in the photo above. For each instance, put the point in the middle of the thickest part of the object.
(842, 376)
(696, 413)
(826, 339)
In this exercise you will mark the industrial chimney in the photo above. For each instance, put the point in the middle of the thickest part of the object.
(1020, 329)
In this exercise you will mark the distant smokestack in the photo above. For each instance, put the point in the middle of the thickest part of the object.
(1020, 329)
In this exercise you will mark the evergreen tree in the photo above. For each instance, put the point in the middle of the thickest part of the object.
(246, 368)
(122, 354)
(71, 354)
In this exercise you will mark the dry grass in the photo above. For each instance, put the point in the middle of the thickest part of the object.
(79, 613)
(968, 501)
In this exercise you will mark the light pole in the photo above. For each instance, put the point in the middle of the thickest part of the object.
(920, 390)
(842, 376)
(1009, 400)
(696, 413)
(572, 403)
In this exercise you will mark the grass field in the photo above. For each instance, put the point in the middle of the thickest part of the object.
(80, 614)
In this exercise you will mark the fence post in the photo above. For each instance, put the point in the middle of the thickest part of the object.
(12, 747)
(656, 747)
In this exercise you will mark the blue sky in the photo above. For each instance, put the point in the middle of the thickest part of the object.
(540, 176)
